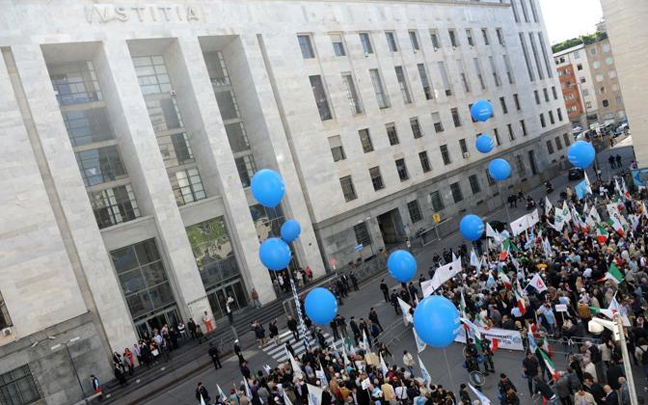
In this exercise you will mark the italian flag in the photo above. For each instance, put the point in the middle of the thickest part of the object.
(505, 279)
(507, 246)
(613, 274)
(596, 310)
(550, 365)
(601, 234)
(616, 224)
(519, 297)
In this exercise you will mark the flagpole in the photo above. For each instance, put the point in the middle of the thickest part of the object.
(626, 360)
(499, 189)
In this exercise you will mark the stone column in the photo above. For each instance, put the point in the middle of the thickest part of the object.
(269, 139)
(84, 244)
(205, 127)
(130, 119)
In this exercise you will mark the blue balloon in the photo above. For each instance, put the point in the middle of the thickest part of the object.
(290, 230)
(267, 188)
(482, 110)
(581, 154)
(321, 306)
(275, 254)
(401, 265)
(499, 169)
(436, 321)
(484, 143)
(471, 227)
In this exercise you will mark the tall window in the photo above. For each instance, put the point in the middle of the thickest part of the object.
(352, 95)
(559, 145)
(462, 75)
(503, 104)
(379, 90)
(18, 387)
(489, 178)
(100, 165)
(542, 121)
(187, 186)
(392, 135)
(554, 92)
(445, 154)
(469, 37)
(516, 100)
(533, 10)
(566, 139)
(496, 77)
(338, 45)
(485, 37)
(362, 235)
(525, 52)
(5, 319)
(523, 126)
(376, 178)
(337, 150)
(365, 140)
(434, 37)
(414, 40)
(114, 206)
(498, 142)
(456, 119)
(365, 40)
(509, 70)
(511, 135)
(479, 74)
(437, 201)
(391, 41)
(551, 117)
(414, 211)
(401, 168)
(306, 46)
(516, 14)
(519, 163)
(474, 184)
(545, 54)
(347, 189)
(402, 83)
(550, 148)
(416, 128)
(546, 94)
(524, 10)
(463, 146)
(425, 162)
(143, 280)
(438, 125)
(447, 87)
(500, 36)
(321, 100)
(453, 38)
(537, 96)
(536, 55)
(457, 194)
(425, 82)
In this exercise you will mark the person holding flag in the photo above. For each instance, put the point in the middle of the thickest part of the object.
(530, 369)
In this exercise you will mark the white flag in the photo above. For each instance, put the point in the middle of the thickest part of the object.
(474, 260)
(548, 205)
(248, 391)
(314, 395)
(482, 398)
(287, 400)
(321, 375)
(538, 283)
(346, 357)
(565, 212)
(383, 365)
(491, 233)
(405, 309)
(365, 341)
(546, 246)
(595, 215)
(454, 257)
(202, 400)
(424, 373)
(420, 345)
(533, 218)
(221, 394)
(441, 275)
(295, 365)
(520, 225)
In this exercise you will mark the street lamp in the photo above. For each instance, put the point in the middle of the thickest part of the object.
(67, 349)
(596, 325)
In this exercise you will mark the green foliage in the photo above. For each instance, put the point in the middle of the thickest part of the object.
(583, 39)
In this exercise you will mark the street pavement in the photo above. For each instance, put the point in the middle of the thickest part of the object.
(444, 365)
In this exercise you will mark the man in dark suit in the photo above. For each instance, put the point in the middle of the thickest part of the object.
(355, 329)
(611, 397)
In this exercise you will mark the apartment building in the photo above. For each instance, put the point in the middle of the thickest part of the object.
(131, 134)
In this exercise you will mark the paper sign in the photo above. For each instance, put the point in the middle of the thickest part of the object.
(561, 307)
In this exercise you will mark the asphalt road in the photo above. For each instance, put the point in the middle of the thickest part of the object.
(445, 366)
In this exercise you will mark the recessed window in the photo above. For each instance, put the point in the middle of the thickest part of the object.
(503, 104)
(335, 143)
(414, 40)
(550, 148)
(18, 387)
(114, 205)
(523, 126)
(566, 139)
(445, 154)
(391, 42)
(485, 37)
(416, 128)
(609, 60)
(560, 116)
(414, 211)
(516, 100)
(352, 94)
(457, 194)
(306, 46)
(437, 201)
(559, 145)
(425, 162)
(546, 94)
(362, 235)
(453, 38)
(365, 140)
(402, 84)
(606, 103)
(348, 190)
(376, 178)
(519, 163)
(490, 179)
(425, 82)
(438, 125)
(434, 37)
(447, 86)
(469, 37)
(537, 96)
(365, 40)
(338, 45)
(554, 92)
(321, 100)
(498, 142)
(500, 36)
(596, 64)
(463, 147)
(379, 89)
(474, 184)
(542, 121)
(551, 117)
(392, 135)
(456, 119)
(401, 168)
(511, 135)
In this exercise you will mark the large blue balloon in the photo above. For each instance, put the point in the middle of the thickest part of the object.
(484, 143)
(321, 306)
(267, 187)
(581, 154)
(401, 265)
(471, 227)
(274, 254)
(499, 169)
(290, 230)
(436, 321)
(482, 110)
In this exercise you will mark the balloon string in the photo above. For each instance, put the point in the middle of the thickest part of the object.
(445, 356)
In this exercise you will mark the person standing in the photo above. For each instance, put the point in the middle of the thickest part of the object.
(385, 289)
(191, 325)
(373, 317)
(487, 353)
(245, 370)
(209, 326)
(341, 324)
(394, 302)
(530, 369)
(464, 397)
(274, 331)
(214, 353)
(355, 329)
(291, 323)
(354, 282)
(96, 385)
(611, 397)
(238, 352)
(408, 360)
(334, 328)
(202, 394)
(255, 298)
(505, 386)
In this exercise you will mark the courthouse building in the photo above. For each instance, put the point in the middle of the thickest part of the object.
(130, 133)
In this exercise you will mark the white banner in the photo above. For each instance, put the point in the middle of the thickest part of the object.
(441, 275)
(519, 225)
(507, 339)
(534, 218)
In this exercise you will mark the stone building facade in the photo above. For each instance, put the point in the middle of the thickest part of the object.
(130, 134)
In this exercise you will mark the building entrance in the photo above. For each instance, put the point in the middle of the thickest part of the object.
(146, 326)
(218, 297)
(391, 228)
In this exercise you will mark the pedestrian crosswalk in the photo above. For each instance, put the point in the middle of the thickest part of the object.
(278, 352)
